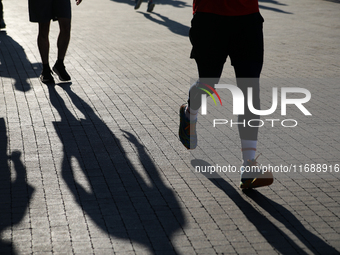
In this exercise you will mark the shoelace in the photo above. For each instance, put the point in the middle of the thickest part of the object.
(253, 162)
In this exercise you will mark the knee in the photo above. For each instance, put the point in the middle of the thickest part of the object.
(44, 29)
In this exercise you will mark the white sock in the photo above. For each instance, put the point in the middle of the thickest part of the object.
(191, 114)
(248, 150)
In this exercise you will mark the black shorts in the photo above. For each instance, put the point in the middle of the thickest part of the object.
(215, 37)
(46, 10)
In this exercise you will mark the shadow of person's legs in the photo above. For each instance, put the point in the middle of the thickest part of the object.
(281, 241)
(15, 196)
(280, 213)
(173, 26)
(114, 192)
(15, 65)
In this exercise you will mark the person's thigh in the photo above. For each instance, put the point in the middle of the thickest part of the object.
(246, 41)
(207, 37)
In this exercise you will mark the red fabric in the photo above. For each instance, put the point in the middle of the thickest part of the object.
(226, 7)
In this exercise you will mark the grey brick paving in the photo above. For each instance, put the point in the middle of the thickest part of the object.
(95, 166)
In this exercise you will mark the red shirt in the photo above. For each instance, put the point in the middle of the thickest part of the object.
(226, 7)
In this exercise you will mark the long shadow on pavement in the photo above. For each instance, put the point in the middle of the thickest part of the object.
(272, 8)
(175, 3)
(283, 243)
(181, 4)
(14, 196)
(114, 191)
(14, 63)
(334, 1)
(173, 26)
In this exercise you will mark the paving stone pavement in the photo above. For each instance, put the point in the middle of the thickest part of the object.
(94, 166)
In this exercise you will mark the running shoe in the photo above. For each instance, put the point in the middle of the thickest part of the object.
(138, 3)
(187, 130)
(60, 70)
(252, 176)
(151, 5)
(46, 77)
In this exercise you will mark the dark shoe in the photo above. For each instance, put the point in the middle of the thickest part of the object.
(59, 69)
(46, 77)
(151, 5)
(187, 130)
(252, 176)
(138, 3)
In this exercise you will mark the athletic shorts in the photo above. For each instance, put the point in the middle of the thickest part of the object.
(46, 10)
(215, 37)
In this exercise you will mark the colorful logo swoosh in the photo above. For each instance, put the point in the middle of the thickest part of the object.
(210, 94)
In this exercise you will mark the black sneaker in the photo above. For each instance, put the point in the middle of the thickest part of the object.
(59, 69)
(46, 77)
(151, 5)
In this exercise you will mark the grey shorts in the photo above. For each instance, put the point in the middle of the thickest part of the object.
(46, 10)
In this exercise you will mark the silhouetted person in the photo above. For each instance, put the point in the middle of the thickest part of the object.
(222, 29)
(43, 11)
